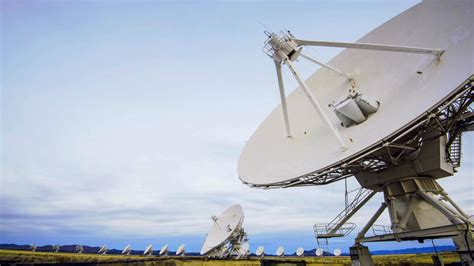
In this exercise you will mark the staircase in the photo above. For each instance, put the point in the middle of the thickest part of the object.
(455, 152)
(338, 226)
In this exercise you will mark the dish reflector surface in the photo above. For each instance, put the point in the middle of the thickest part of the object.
(280, 251)
(319, 252)
(406, 85)
(337, 252)
(180, 250)
(223, 228)
(126, 249)
(260, 251)
(79, 248)
(103, 249)
(148, 250)
(164, 249)
(300, 252)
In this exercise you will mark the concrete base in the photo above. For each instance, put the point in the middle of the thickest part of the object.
(360, 256)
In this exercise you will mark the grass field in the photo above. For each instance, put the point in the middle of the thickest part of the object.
(28, 257)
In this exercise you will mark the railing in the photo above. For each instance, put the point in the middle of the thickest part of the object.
(324, 230)
(378, 229)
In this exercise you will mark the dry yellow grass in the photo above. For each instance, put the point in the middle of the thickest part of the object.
(50, 257)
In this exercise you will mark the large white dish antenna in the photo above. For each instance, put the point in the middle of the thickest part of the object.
(280, 252)
(407, 85)
(56, 248)
(260, 251)
(148, 251)
(319, 252)
(300, 252)
(164, 250)
(181, 250)
(337, 252)
(224, 226)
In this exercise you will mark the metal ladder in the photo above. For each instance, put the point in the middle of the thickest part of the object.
(455, 151)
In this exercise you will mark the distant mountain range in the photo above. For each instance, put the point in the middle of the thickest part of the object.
(307, 253)
(415, 250)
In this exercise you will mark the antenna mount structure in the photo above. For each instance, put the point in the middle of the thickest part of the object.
(405, 171)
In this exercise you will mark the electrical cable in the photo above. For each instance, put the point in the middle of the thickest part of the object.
(468, 228)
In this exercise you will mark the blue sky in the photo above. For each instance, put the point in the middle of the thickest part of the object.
(122, 122)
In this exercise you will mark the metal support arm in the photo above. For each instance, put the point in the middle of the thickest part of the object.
(315, 103)
(460, 211)
(283, 98)
(367, 46)
(314, 60)
(372, 220)
(455, 219)
(411, 207)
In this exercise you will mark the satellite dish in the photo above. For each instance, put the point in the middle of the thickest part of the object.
(127, 250)
(226, 234)
(319, 252)
(56, 248)
(33, 248)
(180, 251)
(392, 116)
(260, 251)
(280, 252)
(337, 252)
(271, 159)
(103, 250)
(148, 251)
(164, 250)
(300, 252)
(79, 249)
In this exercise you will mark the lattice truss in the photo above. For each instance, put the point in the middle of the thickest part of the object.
(451, 118)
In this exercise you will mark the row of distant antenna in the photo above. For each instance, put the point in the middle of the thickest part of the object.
(260, 251)
(126, 251)
(227, 238)
(280, 252)
(149, 250)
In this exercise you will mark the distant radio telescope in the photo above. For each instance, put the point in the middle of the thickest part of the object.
(226, 237)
